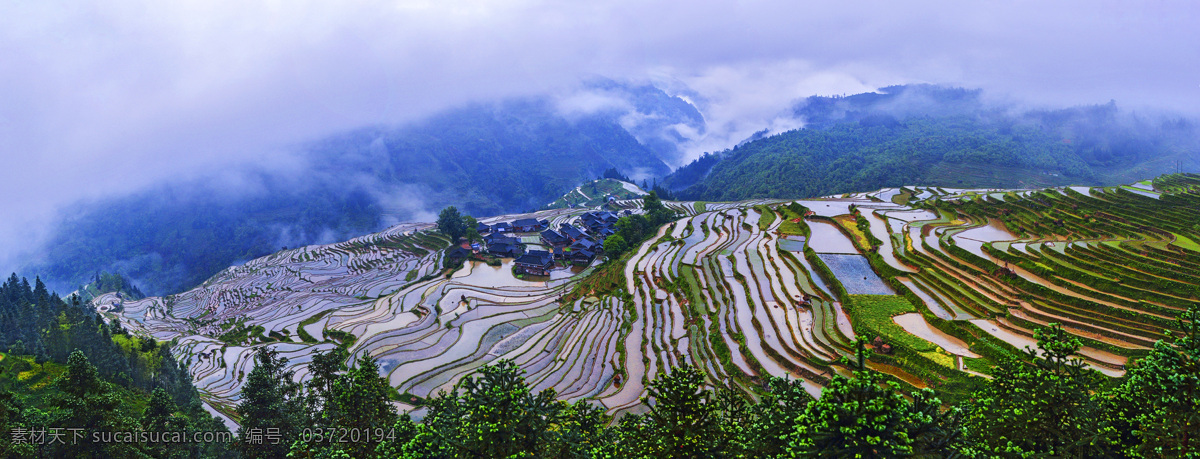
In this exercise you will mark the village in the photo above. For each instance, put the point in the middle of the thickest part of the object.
(536, 248)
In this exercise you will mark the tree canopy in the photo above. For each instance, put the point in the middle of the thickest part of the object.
(451, 223)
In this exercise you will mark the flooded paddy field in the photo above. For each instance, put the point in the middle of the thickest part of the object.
(714, 289)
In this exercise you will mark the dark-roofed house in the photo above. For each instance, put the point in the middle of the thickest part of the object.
(585, 244)
(526, 225)
(536, 262)
(572, 233)
(501, 239)
(600, 228)
(582, 256)
(545, 223)
(504, 246)
(508, 238)
(597, 215)
(458, 253)
(506, 250)
(593, 225)
(502, 227)
(554, 239)
(483, 228)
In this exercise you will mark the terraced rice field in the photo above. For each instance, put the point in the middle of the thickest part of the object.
(962, 278)
(855, 274)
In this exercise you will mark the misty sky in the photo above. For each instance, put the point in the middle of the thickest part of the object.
(99, 99)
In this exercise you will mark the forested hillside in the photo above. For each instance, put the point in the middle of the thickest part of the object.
(940, 136)
(491, 159)
(62, 367)
(859, 156)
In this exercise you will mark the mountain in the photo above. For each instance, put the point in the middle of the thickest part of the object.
(491, 159)
(486, 159)
(661, 122)
(940, 136)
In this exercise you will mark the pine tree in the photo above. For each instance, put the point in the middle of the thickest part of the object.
(682, 420)
(160, 417)
(494, 414)
(359, 403)
(1043, 408)
(865, 417)
(324, 370)
(1157, 408)
(91, 404)
(272, 407)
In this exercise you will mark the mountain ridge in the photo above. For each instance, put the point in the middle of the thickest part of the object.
(941, 136)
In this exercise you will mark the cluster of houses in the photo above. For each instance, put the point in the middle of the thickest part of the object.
(601, 224)
(567, 243)
(524, 225)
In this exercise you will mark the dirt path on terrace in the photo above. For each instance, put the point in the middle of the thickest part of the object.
(1070, 324)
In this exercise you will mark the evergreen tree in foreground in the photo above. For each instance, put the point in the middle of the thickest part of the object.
(1157, 407)
(684, 420)
(866, 417)
(272, 408)
(496, 414)
(1050, 405)
(1045, 408)
(80, 380)
(350, 412)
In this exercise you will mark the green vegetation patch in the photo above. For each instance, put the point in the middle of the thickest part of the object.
(871, 316)
(848, 223)
(238, 333)
(793, 220)
(767, 218)
(304, 336)
(607, 279)
(344, 339)
(1185, 242)
(594, 193)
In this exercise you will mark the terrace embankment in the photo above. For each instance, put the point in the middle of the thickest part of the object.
(949, 281)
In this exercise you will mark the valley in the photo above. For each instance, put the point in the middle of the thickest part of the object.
(941, 283)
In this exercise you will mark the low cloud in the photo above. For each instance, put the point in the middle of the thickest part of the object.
(739, 101)
(591, 102)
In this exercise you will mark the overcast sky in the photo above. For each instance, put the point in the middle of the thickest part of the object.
(102, 99)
